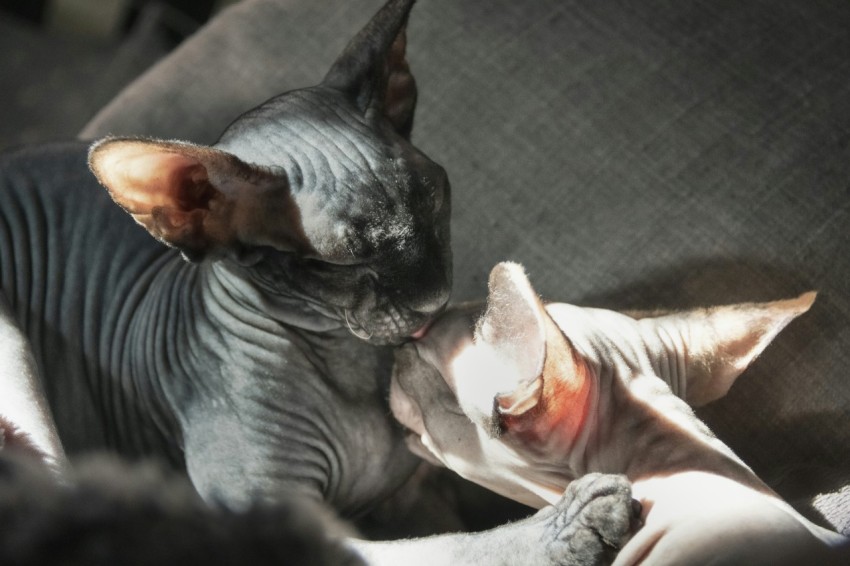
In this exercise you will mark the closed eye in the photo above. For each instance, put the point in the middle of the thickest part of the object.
(341, 260)
(436, 199)
(439, 194)
(345, 251)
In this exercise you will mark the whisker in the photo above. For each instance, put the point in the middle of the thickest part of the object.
(350, 329)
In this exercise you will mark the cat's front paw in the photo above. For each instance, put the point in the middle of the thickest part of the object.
(592, 521)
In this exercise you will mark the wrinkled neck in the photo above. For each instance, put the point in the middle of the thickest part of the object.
(635, 424)
(188, 321)
(227, 286)
(152, 350)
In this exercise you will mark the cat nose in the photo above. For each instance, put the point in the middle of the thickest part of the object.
(432, 294)
(420, 332)
(430, 303)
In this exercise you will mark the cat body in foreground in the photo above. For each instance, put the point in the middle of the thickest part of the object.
(531, 397)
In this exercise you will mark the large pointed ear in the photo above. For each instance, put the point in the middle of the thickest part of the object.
(513, 329)
(522, 375)
(373, 69)
(719, 343)
(527, 374)
(197, 199)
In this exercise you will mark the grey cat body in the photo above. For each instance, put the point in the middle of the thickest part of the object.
(57, 271)
(120, 381)
(317, 236)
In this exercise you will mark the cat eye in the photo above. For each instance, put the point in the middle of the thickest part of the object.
(349, 251)
(436, 199)
(440, 191)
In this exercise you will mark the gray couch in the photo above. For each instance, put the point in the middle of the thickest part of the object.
(664, 153)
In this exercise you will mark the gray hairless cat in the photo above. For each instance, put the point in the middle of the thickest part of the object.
(315, 233)
(250, 348)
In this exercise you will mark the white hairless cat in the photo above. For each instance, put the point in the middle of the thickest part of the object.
(529, 397)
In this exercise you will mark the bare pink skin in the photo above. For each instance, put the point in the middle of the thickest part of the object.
(529, 397)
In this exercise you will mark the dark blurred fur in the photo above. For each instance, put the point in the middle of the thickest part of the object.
(111, 513)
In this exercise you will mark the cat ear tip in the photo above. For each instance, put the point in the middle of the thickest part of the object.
(95, 153)
(105, 152)
(804, 302)
(101, 144)
(507, 271)
(809, 297)
(508, 265)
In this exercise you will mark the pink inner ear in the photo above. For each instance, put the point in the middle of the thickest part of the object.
(522, 399)
(722, 342)
(162, 180)
(143, 176)
(400, 95)
(513, 322)
(193, 190)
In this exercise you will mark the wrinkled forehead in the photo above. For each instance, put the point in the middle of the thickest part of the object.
(295, 120)
(348, 225)
(359, 208)
(351, 184)
(474, 370)
(311, 132)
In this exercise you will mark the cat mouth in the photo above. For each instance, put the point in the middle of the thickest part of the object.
(393, 328)
(421, 331)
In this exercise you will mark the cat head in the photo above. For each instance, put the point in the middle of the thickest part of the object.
(495, 392)
(318, 194)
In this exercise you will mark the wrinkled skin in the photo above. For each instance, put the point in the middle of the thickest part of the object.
(315, 234)
(526, 398)
(374, 211)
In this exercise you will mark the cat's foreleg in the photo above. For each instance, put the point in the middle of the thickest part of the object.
(26, 423)
(587, 527)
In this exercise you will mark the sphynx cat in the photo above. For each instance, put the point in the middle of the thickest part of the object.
(526, 398)
(229, 308)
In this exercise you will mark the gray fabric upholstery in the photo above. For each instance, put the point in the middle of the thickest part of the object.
(656, 154)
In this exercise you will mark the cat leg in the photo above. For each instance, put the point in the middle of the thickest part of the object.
(26, 424)
(587, 527)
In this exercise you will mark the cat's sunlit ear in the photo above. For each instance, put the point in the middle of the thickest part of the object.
(506, 364)
(197, 199)
(721, 342)
(513, 324)
(529, 378)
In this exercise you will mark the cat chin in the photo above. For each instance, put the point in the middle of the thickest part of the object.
(422, 331)
(389, 329)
